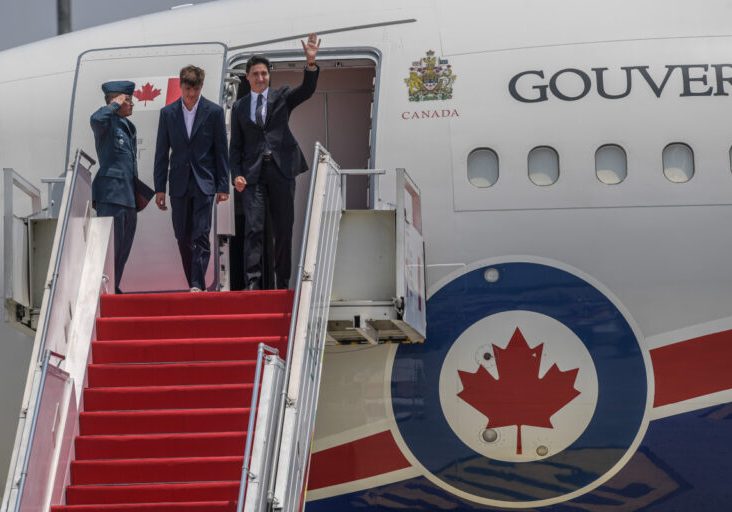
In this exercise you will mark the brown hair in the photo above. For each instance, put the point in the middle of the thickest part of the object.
(192, 75)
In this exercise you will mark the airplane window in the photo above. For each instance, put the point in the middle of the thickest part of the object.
(611, 164)
(543, 166)
(678, 163)
(482, 167)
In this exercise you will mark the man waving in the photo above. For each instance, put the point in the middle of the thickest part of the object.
(265, 159)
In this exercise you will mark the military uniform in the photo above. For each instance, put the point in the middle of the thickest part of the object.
(113, 188)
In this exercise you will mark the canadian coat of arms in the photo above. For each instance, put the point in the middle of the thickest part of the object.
(430, 78)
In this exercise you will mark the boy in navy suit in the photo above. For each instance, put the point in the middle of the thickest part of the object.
(191, 153)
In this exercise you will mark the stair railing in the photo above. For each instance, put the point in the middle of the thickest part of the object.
(268, 377)
(17, 283)
(306, 340)
(59, 302)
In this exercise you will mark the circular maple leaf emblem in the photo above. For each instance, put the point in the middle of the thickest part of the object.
(526, 386)
(531, 387)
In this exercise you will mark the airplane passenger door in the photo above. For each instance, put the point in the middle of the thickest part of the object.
(154, 263)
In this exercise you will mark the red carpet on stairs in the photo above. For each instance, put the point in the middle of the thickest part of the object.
(166, 409)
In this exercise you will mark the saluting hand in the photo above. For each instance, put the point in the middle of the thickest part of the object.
(120, 99)
(311, 48)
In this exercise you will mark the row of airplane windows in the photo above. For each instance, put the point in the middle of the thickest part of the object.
(611, 165)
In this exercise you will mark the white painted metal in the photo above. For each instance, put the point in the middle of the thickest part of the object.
(54, 398)
(67, 258)
(258, 470)
(15, 249)
(368, 242)
(410, 278)
(307, 332)
(49, 451)
(80, 258)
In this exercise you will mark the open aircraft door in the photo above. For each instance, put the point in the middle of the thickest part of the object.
(154, 263)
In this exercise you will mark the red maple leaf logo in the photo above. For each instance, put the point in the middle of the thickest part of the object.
(147, 93)
(518, 397)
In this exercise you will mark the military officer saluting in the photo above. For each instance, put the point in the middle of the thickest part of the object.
(113, 188)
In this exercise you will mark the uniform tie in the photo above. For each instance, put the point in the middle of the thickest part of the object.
(258, 112)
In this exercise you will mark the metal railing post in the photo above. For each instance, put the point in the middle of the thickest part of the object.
(34, 424)
(250, 427)
(293, 318)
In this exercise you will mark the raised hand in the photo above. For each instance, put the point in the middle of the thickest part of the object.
(311, 48)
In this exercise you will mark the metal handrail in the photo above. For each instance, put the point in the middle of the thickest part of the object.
(34, 424)
(319, 149)
(27, 430)
(60, 249)
(12, 179)
(250, 428)
(326, 182)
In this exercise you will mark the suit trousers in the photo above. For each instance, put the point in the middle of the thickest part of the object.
(275, 193)
(125, 225)
(192, 227)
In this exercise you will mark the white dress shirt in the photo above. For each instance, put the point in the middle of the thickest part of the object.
(189, 115)
(253, 109)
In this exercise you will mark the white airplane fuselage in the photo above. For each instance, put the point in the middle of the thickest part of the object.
(574, 162)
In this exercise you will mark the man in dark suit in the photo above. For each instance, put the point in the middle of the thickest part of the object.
(265, 159)
(191, 151)
(113, 188)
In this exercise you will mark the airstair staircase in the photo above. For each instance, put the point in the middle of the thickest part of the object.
(163, 424)
(201, 402)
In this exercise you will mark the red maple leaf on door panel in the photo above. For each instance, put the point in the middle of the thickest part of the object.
(147, 93)
(518, 396)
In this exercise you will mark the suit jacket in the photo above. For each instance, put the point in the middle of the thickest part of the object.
(249, 140)
(115, 139)
(204, 153)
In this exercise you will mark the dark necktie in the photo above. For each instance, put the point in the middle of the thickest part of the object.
(258, 112)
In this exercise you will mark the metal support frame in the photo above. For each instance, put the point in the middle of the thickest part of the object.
(41, 352)
(246, 475)
(307, 334)
(60, 242)
(12, 179)
(345, 173)
(259, 450)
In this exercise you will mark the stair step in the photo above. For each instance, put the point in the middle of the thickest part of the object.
(183, 350)
(209, 444)
(157, 374)
(201, 506)
(216, 303)
(167, 397)
(204, 326)
(163, 421)
(148, 493)
(173, 469)
(165, 409)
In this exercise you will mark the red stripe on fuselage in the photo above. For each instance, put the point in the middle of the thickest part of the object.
(370, 456)
(692, 368)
